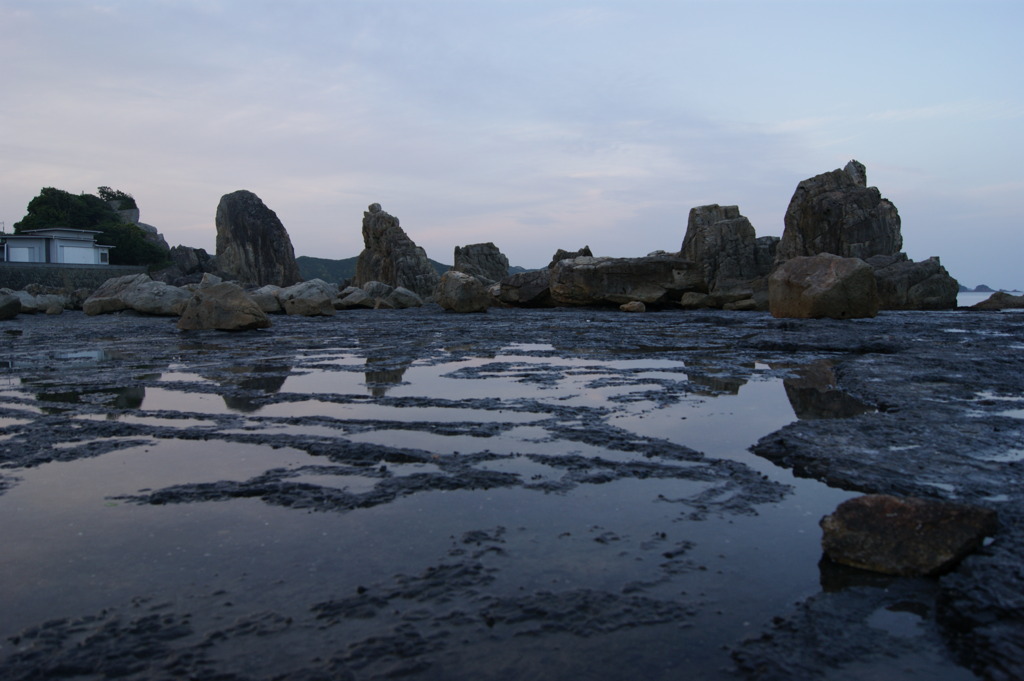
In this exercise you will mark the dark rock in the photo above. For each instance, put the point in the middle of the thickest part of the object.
(225, 307)
(904, 536)
(725, 245)
(836, 213)
(252, 244)
(461, 292)
(907, 285)
(653, 280)
(561, 255)
(483, 261)
(391, 257)
(1000, 301)
(527, 289)
(309, 298)
(633, 306)
(10, 305)
(823, 286)
(107, 298)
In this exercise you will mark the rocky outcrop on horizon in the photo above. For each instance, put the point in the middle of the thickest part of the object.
(483, 261)
(562, 254)
(391, 257)
(252, 244)
(907, 285)
(656, 280)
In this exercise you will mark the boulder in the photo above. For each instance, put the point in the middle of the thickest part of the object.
(268, 298)
(188, 265)
(225, 307)
(402, 298)
(252, 244)
(1000, 301)
(561, 255)
(652, 280)
(633, 306)
(461, 292)
(155, 298)
(309, 298)
(390, 256)
(904, 536)
(107, 298)
(907, 285)
(824, 285)
(353, 297)
(378, 289)
(527, 289)
(10, 305)
(483, 261)
(836, 212)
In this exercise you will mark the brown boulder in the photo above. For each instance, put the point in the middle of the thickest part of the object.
(823, 286)
(225, 307)
(461, 292)
(528, 289)
(904, 536)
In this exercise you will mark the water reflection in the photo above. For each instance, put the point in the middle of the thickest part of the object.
(265, 379)
(814, 394)
(384, 373)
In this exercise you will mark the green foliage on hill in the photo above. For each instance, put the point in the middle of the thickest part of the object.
(58, 208)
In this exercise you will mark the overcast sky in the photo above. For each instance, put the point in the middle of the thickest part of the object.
(535, 125)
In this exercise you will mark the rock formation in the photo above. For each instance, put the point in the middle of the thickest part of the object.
(836, 212)
(652, 280)
(483, 261)
(308, 298)
(904, 536)
(225, 307)
(139, 293)
(562, 254)
(824, 285)
(461, 292)
(252, 244)
(391, 257)
(188, 265)
(1000, 300)
(10, 305)
(131, 216)
(734, 261)
(907, 285)
(526, 289)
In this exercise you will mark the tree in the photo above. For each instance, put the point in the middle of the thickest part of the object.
(58, 208)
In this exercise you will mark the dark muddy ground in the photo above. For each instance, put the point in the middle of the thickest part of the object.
(540, 494)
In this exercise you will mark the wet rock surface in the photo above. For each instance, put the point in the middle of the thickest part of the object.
(535, 493)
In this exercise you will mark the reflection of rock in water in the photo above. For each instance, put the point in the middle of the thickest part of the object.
(712, 384)
(261, 378)
(129, 397)
(814, 395)
(382, 375)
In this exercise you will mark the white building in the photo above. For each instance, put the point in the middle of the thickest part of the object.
(57, 245)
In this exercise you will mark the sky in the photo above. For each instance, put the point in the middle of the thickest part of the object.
(535, 125)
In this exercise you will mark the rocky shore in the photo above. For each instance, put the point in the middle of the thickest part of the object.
(542, 492)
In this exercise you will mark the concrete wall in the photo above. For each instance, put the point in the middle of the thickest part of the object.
(17, 276)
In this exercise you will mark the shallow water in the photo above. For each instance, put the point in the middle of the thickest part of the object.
(492, 509)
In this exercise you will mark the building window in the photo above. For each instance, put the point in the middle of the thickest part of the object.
(104, 257)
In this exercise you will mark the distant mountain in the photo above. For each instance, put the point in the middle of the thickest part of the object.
(338, 271)
(981, 288)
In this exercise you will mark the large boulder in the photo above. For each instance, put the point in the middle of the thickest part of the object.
(107, 298)
(252, 244)
(139, 293)
(526, 289)
(308, 298)
(461, 292)
(225, 307)
(188, 265)
(904, 536)
(907, 285)
(836, 212)
(824, 285)
(155, 298)
(653, 280)
(391, 257)
(483, 261)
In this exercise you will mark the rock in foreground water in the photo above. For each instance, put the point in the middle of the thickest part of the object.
(904, 536)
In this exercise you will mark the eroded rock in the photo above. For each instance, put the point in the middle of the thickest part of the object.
(391, 257)
(483, 261)
(824, 285)
(652, 280)
(252, 244)
(461, 292)
(225, 307)
(904, 535)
